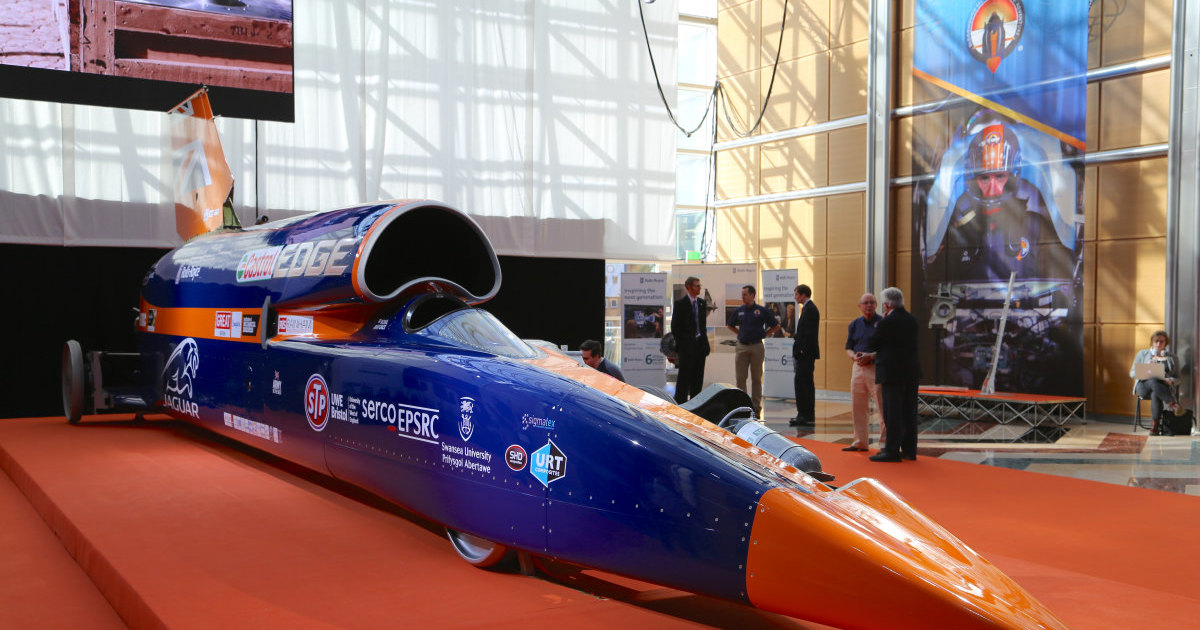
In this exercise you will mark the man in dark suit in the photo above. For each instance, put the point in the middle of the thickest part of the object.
(805, 352)
(898, 371)
(689, 324)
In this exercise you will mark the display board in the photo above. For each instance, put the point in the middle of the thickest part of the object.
(1006, 192)
(643, 324)
(150, 54)
(778, 293)
(722, 291)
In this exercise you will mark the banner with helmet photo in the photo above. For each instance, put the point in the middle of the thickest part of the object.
(999, 192)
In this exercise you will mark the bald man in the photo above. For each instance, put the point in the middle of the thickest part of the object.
(863, 387)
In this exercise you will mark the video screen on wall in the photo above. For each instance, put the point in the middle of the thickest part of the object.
(150, 54)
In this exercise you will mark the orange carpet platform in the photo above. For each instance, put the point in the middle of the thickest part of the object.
(160, 525)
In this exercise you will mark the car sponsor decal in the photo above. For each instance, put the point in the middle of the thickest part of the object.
(316, 402)
(257, 429)
(328, 257)
(529, 420)
(258, 264)
(250, 325)
(515, 457)
(295, 325)
(466, 408)
(549, 464)
(228, 324)
(178, 376)
(186, 272)
(466, 458)
(277, 385)
(151, 315)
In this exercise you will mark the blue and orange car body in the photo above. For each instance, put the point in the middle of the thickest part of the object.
(347, 342)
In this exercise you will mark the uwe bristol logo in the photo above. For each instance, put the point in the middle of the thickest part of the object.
(316, 402)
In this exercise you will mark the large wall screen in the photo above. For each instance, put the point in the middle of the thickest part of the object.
(150, 54)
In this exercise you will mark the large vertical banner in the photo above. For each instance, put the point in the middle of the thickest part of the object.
(643, 305)
(778, 293)
(1006, 192)
(722, 291)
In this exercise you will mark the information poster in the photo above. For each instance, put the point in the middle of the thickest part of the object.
(722, 292)
(778, 293)
(1005, 196)
(643, 309)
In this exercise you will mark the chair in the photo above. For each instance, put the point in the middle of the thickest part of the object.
(1137, 412)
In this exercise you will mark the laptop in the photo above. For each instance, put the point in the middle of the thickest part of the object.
(1143, 371)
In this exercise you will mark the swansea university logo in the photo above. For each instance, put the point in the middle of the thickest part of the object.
(995, 30)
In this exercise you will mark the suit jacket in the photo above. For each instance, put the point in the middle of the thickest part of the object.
(805, 343)
(683, 326)
(895, 342)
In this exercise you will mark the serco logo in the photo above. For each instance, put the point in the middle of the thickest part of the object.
(316, 402)
(515, 457)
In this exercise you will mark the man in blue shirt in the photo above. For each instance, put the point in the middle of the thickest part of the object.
(752, 323)
(862, 379)
(592, 354)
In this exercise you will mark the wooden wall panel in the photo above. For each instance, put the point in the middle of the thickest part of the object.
(1130, 281)
(1135, 110)
(795, 164)
(737, 234)
(737, 173)
(794, 228)
(848, 155)
(848, 80)
(807, 29)
(738, 39)
(847, 224)
(1132, 199)
(848, 22)
(801, 93)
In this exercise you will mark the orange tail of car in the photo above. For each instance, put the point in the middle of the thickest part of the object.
(203, 182)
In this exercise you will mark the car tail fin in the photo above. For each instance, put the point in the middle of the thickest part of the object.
(203, 183)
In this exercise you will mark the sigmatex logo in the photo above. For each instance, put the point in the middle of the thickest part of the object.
(548, 464)
(258, 264)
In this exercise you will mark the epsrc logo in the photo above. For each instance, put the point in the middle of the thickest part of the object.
(316, 402)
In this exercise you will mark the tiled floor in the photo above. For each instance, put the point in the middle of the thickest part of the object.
(1106, 449)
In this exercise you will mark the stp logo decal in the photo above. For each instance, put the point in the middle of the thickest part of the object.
(515, 457)
(316, 402)
(549, 464)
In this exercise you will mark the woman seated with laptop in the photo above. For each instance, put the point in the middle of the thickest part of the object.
(1154, 369)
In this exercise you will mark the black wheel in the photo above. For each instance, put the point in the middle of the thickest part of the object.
(480, 552)
(72, 381)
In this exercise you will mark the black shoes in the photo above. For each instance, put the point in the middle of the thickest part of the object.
(854, 448)
(800, 422)
(884, 456)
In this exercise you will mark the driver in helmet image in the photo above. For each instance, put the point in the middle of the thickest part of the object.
(1000, 223)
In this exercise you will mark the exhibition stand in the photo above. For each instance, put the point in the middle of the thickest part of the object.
(176, 528)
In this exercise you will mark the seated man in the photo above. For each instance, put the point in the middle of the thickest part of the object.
(592, 354)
